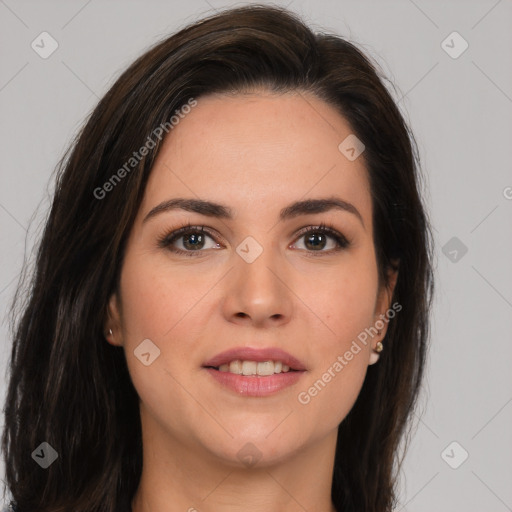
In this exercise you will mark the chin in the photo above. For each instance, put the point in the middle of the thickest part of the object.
(256, 453)
(259, 444)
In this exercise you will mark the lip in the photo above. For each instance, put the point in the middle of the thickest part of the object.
(255, 385)
(255, 354)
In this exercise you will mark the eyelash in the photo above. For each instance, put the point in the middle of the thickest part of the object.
(165, 242)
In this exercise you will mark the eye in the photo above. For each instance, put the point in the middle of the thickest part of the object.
(318, 238)
(193, 240)
(188, 240)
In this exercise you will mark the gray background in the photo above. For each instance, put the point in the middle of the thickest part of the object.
(460, 110)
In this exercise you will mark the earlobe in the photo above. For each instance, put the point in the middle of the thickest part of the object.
(112, 331)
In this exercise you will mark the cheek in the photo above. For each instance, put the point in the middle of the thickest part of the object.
(157, 298)
(164, 306)
(340, 357)
(343, 301)
(331, 393)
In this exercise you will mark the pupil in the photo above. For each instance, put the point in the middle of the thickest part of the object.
(197, 241)
(311, 240)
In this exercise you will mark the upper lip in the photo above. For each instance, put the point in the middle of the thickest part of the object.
(255, 354)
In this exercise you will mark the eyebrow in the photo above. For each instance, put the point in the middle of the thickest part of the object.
(211, 209)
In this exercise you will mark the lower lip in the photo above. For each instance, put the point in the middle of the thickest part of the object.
(255, 385)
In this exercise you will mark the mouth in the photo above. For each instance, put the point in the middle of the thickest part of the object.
(255, 372)
(253, 368)
(251, 361)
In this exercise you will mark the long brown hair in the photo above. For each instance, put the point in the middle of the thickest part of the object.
(71, 389)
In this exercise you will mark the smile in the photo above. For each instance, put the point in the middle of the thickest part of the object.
(263, 368)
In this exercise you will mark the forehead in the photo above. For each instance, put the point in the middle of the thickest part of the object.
(258, 151)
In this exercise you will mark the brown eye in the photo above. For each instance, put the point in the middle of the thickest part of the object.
(315, 241)
(188, 240)
(193, 241)
(322, 239)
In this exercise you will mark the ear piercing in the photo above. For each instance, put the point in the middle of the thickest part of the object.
(374, 356)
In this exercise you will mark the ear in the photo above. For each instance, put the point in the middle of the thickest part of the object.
(382, 306)
(385, 295)
(112, 325)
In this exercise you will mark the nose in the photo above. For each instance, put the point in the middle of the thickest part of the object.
(258, 293)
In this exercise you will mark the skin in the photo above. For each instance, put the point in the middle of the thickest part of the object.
(255, 153)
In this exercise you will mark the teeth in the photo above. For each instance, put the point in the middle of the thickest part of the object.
(235, 367)
(249, 367)
(263, 368)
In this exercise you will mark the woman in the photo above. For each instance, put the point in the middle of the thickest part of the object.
(231, 299)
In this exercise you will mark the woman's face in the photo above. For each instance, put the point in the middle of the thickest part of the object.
(252, 287)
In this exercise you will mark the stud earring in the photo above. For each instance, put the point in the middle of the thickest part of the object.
(109, 333)
(374, 356)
